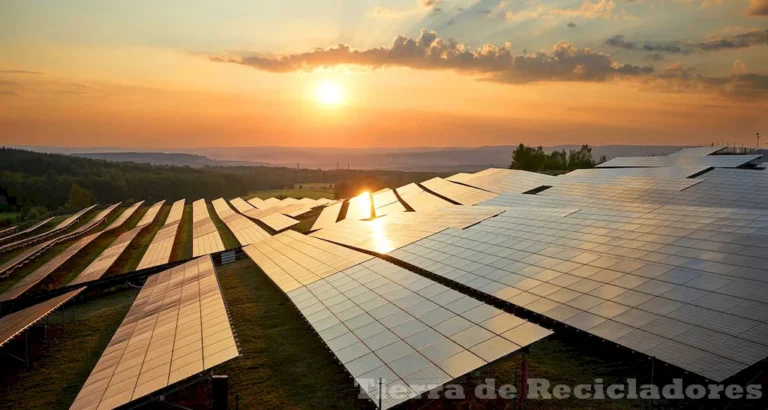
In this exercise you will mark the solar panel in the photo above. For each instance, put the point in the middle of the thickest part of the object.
(42, 236)
(176, 212)
(420, 200)
(717, 161)
(388, 325)
(384, 197)
(159, 250)
(395, 230)
(461, 194)
(257, 203)
(38, 249)
(246, 232)
(8, 238)
(360, 207)
(124, 216)
(328, 216)
(6, 231)
(176, 328)
(697, 151)
(205, 236)
(241, 205)
(296, 209)
(278, 221)
(505, 180)
(96, 269)
(602, 270)
(29, 281)
(15, 323)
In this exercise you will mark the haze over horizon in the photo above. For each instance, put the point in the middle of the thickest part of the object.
(383, 73)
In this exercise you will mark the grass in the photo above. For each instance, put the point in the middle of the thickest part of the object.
(227, 237)
(291, 193)
(59, 369)
(182, 245)
(7, 216)
(307, 220)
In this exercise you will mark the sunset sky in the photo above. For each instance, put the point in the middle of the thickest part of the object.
(382, 73)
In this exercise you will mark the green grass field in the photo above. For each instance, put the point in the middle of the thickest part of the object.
(227, 238)
(5, 216)
(182, 246)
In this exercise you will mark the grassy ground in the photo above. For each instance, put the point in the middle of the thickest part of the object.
(227, 237)
(59, 369)
(182, 245)
(132, 255)
(291, 193)
(4, 216)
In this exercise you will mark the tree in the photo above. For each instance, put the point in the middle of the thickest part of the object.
(581, 158)
(536, 160)
(80, 197)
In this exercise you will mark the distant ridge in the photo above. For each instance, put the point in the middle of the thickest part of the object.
(431, 159)
(162, 158)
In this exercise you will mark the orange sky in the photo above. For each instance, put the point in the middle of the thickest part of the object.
(143, 96)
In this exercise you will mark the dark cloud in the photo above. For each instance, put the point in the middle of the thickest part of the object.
(565, 62)
(429, 3)
(655, 57)
(621, 42)
(758, 8)
(20, 72)
(678, 78)
(571, 24)
(750, 38)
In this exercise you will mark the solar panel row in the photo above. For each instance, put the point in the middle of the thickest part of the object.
(15, 323)
(386, 325)
(246, 232)
(176, 328)
(42, 236)
(159, 250)
(205, 236)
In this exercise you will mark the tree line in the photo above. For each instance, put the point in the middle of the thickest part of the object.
(536, 160)
(30, 180)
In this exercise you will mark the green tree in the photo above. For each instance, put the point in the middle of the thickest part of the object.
(582, 158)
(80, 197)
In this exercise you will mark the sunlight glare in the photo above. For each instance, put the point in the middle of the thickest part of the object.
(328, 93)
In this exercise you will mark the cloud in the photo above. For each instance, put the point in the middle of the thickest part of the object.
(749, 38)
(758, 8)
(25, 72)
(600, 9)
(429, 3)
(565, 62)
(740, 84)
(571, 24)
(655, 57)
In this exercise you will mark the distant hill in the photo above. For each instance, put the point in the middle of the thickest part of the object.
(427, 159)
(162, 158)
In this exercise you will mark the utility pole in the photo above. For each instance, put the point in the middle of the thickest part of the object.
(757, 134)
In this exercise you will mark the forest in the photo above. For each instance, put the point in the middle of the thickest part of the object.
(48, 182)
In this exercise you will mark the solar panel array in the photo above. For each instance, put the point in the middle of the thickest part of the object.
(419, 199)
(124, 216)
(717, 161)
(385, 202)
(205, 236)
(505, 180)
(159, 250)
(328, 216)
(96, 269)
(278, 221)
(693, 297)
(42, 236)
(393, 231)
(31, 280)
(458, 193)
(241, 205)
(35, 250)
(17, 322)
(246, 231)
(8, 238)
(697, 151)
(385, 324)
(176, 328)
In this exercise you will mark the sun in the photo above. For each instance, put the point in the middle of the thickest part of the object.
(328, 93)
